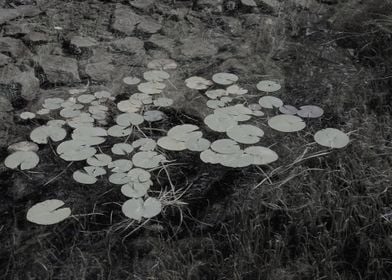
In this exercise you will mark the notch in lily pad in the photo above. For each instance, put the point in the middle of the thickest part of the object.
(48, 212)
(332, 138)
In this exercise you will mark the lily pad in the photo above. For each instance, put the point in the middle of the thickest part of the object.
(224, 78)
(136, 208)
(197, 144)
(23, 146)
(154, 116)
(198, 83)
(156, 76)
(131, 80)
(119, 131)
(41, 134)
(268, 86)
(120, 178)
(219, 122)
(75, 150)
(135, 189)
(332, 138)
(27, 116)
(53, 103)
(270, 102)
(139, 175)
(288, 110)
(127, 106)
(25, 159)
(151, 87)
(147, 159)
(128, 119)
(225, 146)
(122, 149)
(245, 134)
(261, 155)
(102, 94)
(216, 93)
(120, 165)
(236, 90)
(286, 123)
(310, 111)
(99, 160)
(144, 144)
(86, 98)
(162, 64)
(48, 212)
(171, 144)
(163, 102)
(184, 132)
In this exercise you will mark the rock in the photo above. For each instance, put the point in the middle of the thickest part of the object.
(100, 71)
(233, 25)
(124, 20)
(195, 47)
(14, 29)
(7, 15)
(148, 25)
(28, 10)
(144, 5)
(80, 44)
(60, 69)
(162, 42)
(4, 60)
(36, 38)
(17, 85)
(14, 47)
(130, 45)
(5, 105)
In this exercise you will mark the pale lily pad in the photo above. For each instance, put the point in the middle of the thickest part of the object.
(171, 144)
(151, 87)
(254, 107)
(82, 120)
(219, 122)
(70, 113)
(245, 134)
(58, 123)
(88, 132)
(310, 111)
(270, 102)
(120, 165)
(127, 106)
(27, 116)
(140, 175)
(136, 208)
(214, 104)
(97, 109)
(162, 64)
(135, 190)
(332, 138)
(184, 132)
(122, 149)
(25, 159)
(224, 78)
(144, 144)
(156, 76)
(119, 131)
(225, 146)
(43, 111)
(86, 98)
(197, 144)
(41, 134)
(209, 156)
(102, 94)
(131, 80)
(216, 93)
(154, 116)
(83, 177)
(238, 112)
(198, 83)
(288, 110)
(75, 150)
(128, 119)
(53, 103)
(163, 102)
(120, 178)
(236, 90)
(286, 123)
(261, 155)
(23, 146)
(71, 104)
(99, 160)
(268, 86)
(140, 98)
(48, 212)
(237, 160)
(147, 159)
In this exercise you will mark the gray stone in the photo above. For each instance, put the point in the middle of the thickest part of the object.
(14, 47)
(60, 69)
(124, 20)
(162, 42)
(36, 38)
(100, 71)
(144, 5)
(148, 25)
(14, 29)
(7, 15)
(5, 105)
(195, 47)
(82, 42)
(4, 60)
(131, 45)
(28, 10)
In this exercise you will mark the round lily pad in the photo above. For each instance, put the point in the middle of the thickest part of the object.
(122, 149)
(156, 76)
(131, 80)
(135, 189)
(216, 93)
(332, 138)
(120, 165)
(151, 87)
(147, 159)
(144, 144)
(128, 119)
(41, 134)
(236, 90)
(288, 110)
(48, 212)
(99, 160)
(163, 102)
(27, 116)
(310, 111)
(286, 123)
(270, 102)
(198, 83)
(171, 144)
(197, 144)
(127, 106)
(119, 131)
(261, 155)
(23, 146)
(268, 86)
(225, 146)
(162, 64)
(245, 134)
(224, 78)
(25, 159)
(75, 150)
(184, 132)
(219, 122)
(154, 116)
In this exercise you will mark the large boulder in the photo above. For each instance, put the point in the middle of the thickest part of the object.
(124, 20)
(60, 69)
(14, 47)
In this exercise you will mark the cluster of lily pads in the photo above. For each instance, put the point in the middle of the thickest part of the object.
(86, 114)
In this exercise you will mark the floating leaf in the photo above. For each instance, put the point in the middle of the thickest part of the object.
(90, 135)
(332, 138)
(237, 160)
(270, 102)
(128, 119)
(27, 116)
(41, 134)
(184, 132)
(236, 90)
(198, 83)
(310, 111)
(219, 122)
(216, 93)
(127, 106)
(139, 175)
(224, 78)
(197, 144)
(131, 80)
(238, 112)
(144, 144)
(70, 113)
(163, 102)
(48, 212)
(82, 120)
(24, 146)
(171, 144)
(43, 111)
(135, 189)
(53, 103)
(156, 76)
(71, 104)
(25, 159)
(102, 94)
(75, 150)
(140, 98)
(162, 64)
(286, 123)
(268, 86)
(147, 159)
(86, 98)
(261, 155)
(82, 177)
(99, 160)
(152, 207)
(209, 156)
(58, 123)
(119, 178)
(154, 116)
(151, 87)
(245, 134)
(288, 110)
(225, 146)
(214, 104)
(119, 131)
(120, 165)
(122, 149)
(137, 209)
